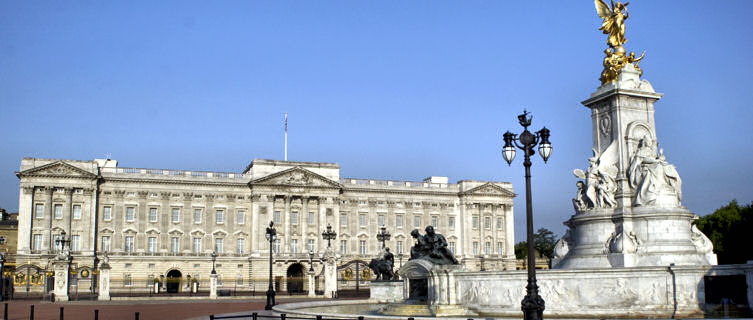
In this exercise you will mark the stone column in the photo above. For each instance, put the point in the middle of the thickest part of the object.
(104, 281)
(213, 285)
(322, 223)
(286, 214)
(61, 269)
(330, 273)
(253, 229)
(25, 218)
(304, 223)
(509, 232)
(312, 285)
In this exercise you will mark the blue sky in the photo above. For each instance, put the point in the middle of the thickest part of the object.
(387, 89)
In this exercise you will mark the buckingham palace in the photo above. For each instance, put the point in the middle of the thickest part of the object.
(166, 223)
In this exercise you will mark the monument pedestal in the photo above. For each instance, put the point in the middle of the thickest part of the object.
(104, 282)
(312, 284)
(330, 273)
(390, 291)
(213, 286)
(61, 270)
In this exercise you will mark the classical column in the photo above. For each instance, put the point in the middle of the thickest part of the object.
(304, 223)
(49, 205)
(25, 219)
(270, 215)
(255, 199)
(93, 223)
(509, 233)
(336, 214)
(288, 199)
(322, 223)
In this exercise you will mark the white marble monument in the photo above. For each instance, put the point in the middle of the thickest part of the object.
(330, 273)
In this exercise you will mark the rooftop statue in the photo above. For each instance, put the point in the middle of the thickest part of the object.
(431, 247)
(613, 25)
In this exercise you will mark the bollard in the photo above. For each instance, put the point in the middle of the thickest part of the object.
(254, 316)
(211, 317)
(360, 317)
(282, 316)
(5, 313)
(96, 314)
(61, 313)
(411, 318)
(31, 312)
(136, 316)
(318, 317)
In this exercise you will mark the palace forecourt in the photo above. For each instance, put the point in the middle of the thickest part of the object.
(165, 224)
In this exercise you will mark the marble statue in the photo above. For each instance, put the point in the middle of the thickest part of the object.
(651, 175)
(431, 247)
(597, 191)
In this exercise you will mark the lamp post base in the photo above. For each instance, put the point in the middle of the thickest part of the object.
(270, 299)
(533, 307)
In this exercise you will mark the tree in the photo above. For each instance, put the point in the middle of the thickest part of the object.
(729, 230)
(543, 241)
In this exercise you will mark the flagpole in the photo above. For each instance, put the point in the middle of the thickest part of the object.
(286, 136)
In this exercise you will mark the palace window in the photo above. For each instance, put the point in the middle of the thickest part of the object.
(127, 281)
(452, 247)
(39, 211)
(294, 218)
(128, 245)
(152, 214)
(416, 222)
(499, 223)
(294, 246)
(362, 247)
(240, 217)
(276, 217)
(239, 245)
(276, 246)
(196, 215)
(196, 245)
(475, 248)
(36, 243)
(343, 246)
(151, 245)
(312, 218)
(343, 220)
(75, 243)
(218, 242)
(434, 221)
(174, 245)
(499, 248)
(362, 220)
(77, 211)
(487, 248)
(58, 208)
(219, 217)
(380, 220)
(474, 222)
(312, 246)
(399, 247)
(451, 222)
(56, 242)
(487, 223)
(106, 243)
(399, 221)
(130, 214)
(107, 213)
(175, 216)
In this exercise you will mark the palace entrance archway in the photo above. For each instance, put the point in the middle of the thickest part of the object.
(295, 278)
(172, 284)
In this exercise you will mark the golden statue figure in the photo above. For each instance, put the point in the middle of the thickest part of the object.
(614, 23)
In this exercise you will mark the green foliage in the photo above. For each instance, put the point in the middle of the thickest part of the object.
(729, 229)
(543, 241)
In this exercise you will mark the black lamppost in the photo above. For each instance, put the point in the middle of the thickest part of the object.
(532, 304)
(214, 258)
(271, 237)
(329, 235)
(400, 256)
(383, 235)
(311, 260)
(62, 241)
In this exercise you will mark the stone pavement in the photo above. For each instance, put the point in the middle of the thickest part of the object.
(125, 310)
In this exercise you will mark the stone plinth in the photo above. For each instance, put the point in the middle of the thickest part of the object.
(330, 273)
(386, 291)
(61, 269)
(104, 282)
(312, 284)
(213, 286)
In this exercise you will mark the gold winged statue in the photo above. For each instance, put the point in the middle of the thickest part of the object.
(613, 25)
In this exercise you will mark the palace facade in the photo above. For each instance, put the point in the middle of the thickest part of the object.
(155, 223)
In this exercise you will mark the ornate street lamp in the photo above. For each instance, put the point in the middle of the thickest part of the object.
(214, 258)
(62, 241)
(311, 260)
(329, 235)
(383, 235)
(532, 305)
(271, 237)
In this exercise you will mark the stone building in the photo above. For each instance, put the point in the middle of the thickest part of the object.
(156, 222)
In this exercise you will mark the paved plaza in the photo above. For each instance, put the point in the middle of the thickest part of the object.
(148, 309)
